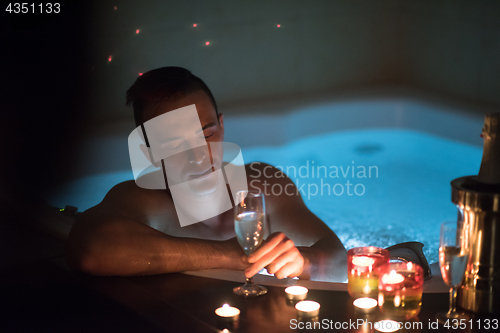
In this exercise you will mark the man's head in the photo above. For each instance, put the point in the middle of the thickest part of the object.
(160, 86)
(177, 133)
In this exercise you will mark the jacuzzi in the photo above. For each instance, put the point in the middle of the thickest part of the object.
(409, 149)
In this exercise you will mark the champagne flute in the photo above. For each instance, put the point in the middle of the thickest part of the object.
(249, 219)
(453, 257)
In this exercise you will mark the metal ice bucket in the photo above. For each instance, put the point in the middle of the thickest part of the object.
(479, 211)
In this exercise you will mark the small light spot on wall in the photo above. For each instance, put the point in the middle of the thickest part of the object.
(195, 25)
(115, 8)
(140, 74)
(278, 25)
(207, 43)
(110, 58)
(137, 31)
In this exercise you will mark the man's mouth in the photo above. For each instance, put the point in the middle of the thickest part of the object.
(201, 174)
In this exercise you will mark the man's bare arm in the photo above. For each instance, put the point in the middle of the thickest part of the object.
(315, 252)
(103, 242)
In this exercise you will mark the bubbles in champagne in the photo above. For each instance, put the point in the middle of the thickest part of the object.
(249, 228)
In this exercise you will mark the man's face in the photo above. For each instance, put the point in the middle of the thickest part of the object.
(181, 137)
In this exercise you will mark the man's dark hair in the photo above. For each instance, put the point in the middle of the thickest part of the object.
(155, 87)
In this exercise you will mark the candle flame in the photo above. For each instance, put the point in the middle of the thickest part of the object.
(225, 306)
(392, 278)
(363, 261)
(397, 301)
(367, 289)
(381, 299)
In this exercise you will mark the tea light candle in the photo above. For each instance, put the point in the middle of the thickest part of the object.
(363, 270)
(308, 308)
(400, 290)
(365, 304)
(386, 326)
(362, 261)
(296, 293)
(392, 278)
(228, 312)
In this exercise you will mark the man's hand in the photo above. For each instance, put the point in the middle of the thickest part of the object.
(279, 255)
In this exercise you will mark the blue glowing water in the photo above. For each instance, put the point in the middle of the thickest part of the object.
(406, 201)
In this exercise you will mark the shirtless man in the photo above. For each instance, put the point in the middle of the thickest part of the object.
(136, 231)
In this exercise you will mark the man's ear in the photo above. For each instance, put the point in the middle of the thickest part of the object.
(147, 152)
(221, 122)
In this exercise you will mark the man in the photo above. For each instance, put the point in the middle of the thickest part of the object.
(136, 231)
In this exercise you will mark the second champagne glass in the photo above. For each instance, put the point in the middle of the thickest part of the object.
(453, 257)
(249, 222)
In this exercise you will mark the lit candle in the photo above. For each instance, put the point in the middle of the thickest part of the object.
(296, 293)
(228, 312)
(365, 304)
(386, 326)
(362, 261)
(364, 266)
(308, 308)
(392, 278)
(400, 290)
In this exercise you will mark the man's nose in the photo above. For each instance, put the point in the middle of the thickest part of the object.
(197, 155)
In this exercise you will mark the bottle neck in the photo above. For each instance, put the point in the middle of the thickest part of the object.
(489, 173)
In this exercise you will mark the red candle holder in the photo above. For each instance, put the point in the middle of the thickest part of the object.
(400, 290)
(363, 269)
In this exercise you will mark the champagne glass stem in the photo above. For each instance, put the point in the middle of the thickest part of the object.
(453, 299)
(249, 281)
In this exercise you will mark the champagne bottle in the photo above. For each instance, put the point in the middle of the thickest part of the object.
(489, 173)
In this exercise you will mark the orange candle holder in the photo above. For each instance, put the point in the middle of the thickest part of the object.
(400, 290)
(364, 265)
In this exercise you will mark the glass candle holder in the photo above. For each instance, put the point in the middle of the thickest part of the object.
(400, 290)
(363, 269)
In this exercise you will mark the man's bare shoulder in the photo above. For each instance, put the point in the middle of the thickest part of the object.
(274, 183)
(128, 191)
(128, 199)
(265, 172)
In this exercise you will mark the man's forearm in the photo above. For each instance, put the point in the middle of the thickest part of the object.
(125, 247)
